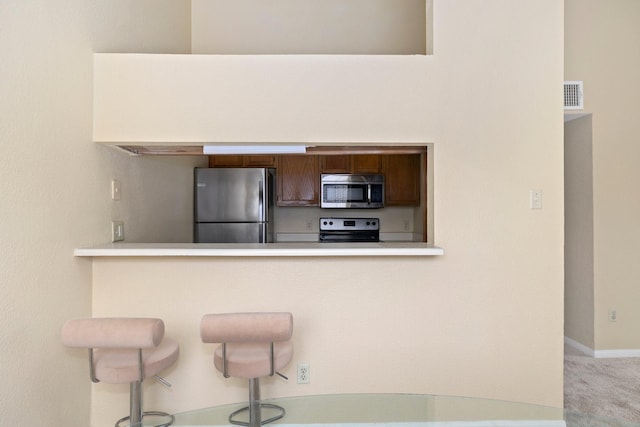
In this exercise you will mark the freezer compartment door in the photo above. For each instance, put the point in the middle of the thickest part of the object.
(232, 233)
(231, 195)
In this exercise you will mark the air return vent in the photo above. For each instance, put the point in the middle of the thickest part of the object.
(573, 95)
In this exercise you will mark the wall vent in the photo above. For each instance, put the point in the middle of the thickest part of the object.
(573, 95)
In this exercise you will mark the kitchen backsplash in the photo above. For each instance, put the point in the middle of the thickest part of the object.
(302, 223)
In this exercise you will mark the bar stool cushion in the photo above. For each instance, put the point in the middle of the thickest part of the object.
(120, 366)
(246, 327)
(115, 342)
(252, 360)
(248, 338)
(113, 332)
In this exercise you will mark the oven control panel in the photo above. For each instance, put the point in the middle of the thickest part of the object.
(346, 224)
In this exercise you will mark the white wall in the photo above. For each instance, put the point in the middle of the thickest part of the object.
(54, 186)
(600, 49)
(491, 307)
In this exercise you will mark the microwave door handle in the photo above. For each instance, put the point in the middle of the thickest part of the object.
(369, 194)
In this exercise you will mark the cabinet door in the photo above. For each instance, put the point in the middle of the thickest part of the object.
(355, 163)
(260, 161)
(366, 163)
(402, 179)
(226, 161)
(242, 161)
(298, 180)
(335, 164)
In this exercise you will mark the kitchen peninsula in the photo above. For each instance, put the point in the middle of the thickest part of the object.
(306, 249)
(336, 300)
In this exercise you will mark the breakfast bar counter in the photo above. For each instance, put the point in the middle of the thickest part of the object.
(297, 249)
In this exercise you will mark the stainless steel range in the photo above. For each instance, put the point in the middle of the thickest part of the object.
(349, 229)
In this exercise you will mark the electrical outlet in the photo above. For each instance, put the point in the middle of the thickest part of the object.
(309, 224)
(303, 373)
(613, 315)
(405, 224)
(117, 231)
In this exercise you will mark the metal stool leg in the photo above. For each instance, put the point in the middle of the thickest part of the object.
(255, 416)
(135, 409)
(255, 408)
(135, 403)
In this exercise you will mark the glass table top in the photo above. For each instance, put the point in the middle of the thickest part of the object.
(403, 410)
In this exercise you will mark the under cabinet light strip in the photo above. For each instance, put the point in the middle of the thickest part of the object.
(254, 149)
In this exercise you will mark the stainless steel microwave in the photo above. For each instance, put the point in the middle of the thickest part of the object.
(352, 191)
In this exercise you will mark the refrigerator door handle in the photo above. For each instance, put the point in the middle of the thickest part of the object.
(261, 199)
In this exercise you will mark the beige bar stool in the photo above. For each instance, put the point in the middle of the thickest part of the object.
(124, 350)
(254, 345)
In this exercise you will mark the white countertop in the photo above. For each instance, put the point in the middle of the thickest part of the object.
(302, 249)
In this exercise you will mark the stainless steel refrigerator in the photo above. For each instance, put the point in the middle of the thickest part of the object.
(233, 205)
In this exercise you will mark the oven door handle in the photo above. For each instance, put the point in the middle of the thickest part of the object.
(347, 236)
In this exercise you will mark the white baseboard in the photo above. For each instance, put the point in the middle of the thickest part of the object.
(632, 352)
(587, 351)
(601, 354)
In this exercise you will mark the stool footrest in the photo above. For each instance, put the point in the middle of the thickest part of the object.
(280, 409)
(152, 414)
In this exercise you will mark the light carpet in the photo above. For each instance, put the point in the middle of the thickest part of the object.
(603, 387)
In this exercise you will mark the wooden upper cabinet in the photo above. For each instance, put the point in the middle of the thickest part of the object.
(260, 161)
(298, 180)
(402, 179)
(226, 161)
(366, 163)
(298, 176)
(335, 164)
(242, 161)
(360, 163)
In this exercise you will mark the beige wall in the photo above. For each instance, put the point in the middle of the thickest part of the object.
(600, 50)
(309, 26)
(54, 186)
(485, 319)
(397, 326)
(200, 99)
(156, 202)
(492, 304)
(578, 178)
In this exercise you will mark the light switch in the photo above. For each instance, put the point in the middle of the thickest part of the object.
(116, 189)
(535, 199)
